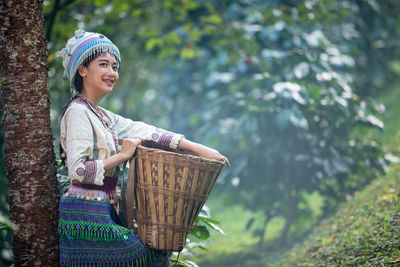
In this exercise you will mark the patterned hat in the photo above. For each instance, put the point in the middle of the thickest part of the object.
(81, 46)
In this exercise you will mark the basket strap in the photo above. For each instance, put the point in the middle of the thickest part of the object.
(128, 199)
(171, 192)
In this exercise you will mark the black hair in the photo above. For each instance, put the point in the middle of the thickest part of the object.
(78, 81)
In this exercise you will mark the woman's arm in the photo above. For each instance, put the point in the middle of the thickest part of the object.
(127, 128)
(129, 146)
(202, 151)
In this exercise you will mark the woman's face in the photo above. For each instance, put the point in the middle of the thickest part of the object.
(101, 75)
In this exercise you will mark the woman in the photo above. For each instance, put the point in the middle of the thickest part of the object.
(90, 136)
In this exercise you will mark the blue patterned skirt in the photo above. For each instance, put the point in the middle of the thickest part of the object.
(89, 237)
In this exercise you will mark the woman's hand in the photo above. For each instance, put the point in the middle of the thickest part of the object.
(128, 148)
(203, 151)
(210, 153)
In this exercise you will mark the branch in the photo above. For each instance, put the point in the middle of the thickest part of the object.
(66, 3)
(50, 17)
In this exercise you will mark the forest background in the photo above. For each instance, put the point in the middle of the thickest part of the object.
(287, 89)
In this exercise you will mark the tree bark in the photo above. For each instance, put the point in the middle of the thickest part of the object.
(29, 154)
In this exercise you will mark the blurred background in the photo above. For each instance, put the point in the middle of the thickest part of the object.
(298, 94)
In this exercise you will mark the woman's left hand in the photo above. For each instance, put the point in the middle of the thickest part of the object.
(203, 151)
(210, 153)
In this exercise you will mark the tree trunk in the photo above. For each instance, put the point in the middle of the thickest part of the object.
(268, 218)
(293, 202)
(29, 154)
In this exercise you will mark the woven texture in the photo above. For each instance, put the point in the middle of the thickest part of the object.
(171, 189)
(89, 237)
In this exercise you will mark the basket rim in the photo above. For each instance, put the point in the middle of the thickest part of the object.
(181, 155)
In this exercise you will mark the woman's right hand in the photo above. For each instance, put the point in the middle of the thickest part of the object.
(128, 148)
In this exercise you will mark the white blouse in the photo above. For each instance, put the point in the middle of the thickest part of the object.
(89, 135)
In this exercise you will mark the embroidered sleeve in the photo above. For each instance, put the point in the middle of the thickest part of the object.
(127, 128)
(166, 138)
(89, 172)
(79, 143)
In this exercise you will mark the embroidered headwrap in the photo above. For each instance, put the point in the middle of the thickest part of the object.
(80, 47)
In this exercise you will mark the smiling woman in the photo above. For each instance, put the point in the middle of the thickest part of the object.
(90, 136)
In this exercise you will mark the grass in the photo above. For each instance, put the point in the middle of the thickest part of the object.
(364, 232)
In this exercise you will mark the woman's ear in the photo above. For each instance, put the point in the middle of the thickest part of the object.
(82, 71)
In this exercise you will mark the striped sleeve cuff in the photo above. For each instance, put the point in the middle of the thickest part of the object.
(93, 172)
(166, 138)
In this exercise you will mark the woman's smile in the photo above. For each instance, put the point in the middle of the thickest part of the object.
(109, 82)
(101, 75)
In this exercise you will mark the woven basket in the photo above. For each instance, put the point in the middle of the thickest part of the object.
(170, 191)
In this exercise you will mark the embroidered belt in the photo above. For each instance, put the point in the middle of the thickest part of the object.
(106, 192)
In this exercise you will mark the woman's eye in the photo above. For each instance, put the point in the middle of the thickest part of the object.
(115, 68)
(103, 64)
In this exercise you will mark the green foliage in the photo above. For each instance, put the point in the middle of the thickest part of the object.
(283, 88)
(6, 228)
(63, 178)
(6, 224)
(203, 223)
(278, 99)
(364, 231)
(198, 236)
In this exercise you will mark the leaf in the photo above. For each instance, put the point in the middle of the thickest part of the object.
(189, 52)
(213, 19)
(211, 223)
(167, 52)
(100, 3)
(149, 33)
(6, 224)
(375, 121)
(191, 263)
(169, 4)
(185, 263)
(137, 12)
(154, 42)
(172, 38)
(205, 212)
(216, 228)
(290, 90)
(195, 35)
(201, 232)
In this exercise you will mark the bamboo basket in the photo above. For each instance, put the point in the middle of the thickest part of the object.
(170, 191)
